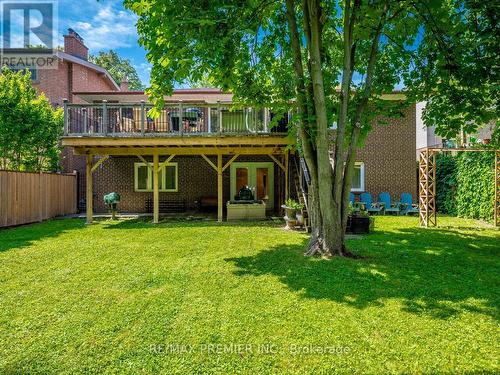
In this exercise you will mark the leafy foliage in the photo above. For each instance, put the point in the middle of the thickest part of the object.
(465, 185)
(29, 127)
(119, 68)
(457, 68)
(446, 184)
(475, 185)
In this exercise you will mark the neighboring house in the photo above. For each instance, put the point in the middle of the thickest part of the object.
(427, 137)
(206, 154)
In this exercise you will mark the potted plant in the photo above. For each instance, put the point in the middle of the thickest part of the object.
(360, 222)
(291, 208)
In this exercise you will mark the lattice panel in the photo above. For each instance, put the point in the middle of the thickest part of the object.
(427, 189)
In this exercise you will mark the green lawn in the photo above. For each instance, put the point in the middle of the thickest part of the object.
(131, 297)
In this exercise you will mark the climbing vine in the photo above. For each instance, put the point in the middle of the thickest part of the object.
(465, 184)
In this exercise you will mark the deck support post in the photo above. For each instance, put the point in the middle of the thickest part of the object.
(89, 193)
(156, 195)
(287, 187)
(219, 189)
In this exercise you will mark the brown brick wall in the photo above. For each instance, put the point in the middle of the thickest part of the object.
(55, 83)
(389, 157)
(196, 179)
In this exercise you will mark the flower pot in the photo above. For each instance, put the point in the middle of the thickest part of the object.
(290, 213)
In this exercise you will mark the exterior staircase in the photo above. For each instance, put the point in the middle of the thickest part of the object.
(301, 181)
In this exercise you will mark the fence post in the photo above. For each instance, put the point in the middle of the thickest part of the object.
(66, 113)
(143, 116)
(105, 116)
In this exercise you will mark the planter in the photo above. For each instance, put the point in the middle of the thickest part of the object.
(290, 213)
(246, 211)
(359, 225)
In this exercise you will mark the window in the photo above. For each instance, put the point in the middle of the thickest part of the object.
(358, 177)
(143, 177)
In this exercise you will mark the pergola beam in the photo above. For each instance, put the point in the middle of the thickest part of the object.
(156, 192)
(147, 151)
(230, 162)
(220, 208)
(210, 162)
(166, 161)
(88, 191)
(99, 162)
(427, 184)
(427, 188)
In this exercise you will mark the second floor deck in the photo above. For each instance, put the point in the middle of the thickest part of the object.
(175, 120)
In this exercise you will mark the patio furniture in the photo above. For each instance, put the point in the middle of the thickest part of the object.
(370, 206)
(408, 207)
(390, 208)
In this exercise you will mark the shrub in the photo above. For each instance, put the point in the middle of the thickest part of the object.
(446, 184)
(475, 185)
(465, 184)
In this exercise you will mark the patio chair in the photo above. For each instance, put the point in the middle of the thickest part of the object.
(390, 208)
(370, 206)
(408, 207)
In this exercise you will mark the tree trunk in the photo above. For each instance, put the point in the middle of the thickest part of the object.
(331, 242)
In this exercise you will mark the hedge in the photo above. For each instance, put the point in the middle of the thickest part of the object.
(465, 184)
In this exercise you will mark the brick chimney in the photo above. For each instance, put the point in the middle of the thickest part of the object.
(124, 84)
(73, 45)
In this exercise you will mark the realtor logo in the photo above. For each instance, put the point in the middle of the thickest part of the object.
(29, 34)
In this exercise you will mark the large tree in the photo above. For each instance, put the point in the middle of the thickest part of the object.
(29, 127)
(119, 68)
(333, 60)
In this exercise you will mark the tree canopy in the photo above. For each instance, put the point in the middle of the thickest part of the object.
(333, 61)
(29, 127)
(119, 68)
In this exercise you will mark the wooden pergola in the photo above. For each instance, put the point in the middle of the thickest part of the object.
(277, 148)
(427, 183)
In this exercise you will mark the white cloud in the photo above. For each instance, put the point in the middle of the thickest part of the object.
(109, 28)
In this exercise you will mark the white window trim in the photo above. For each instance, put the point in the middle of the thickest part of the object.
(362, 173)
(163, 176)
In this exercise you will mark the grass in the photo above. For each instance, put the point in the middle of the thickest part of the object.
(129, 297)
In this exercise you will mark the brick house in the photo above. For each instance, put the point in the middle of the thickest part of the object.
(74, 73)
(201, 151)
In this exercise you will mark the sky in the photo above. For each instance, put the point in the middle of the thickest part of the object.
(104, 25)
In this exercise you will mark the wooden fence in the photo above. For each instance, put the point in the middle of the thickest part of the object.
(31, 197)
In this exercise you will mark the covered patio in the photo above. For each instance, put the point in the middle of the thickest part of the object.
(219, 152)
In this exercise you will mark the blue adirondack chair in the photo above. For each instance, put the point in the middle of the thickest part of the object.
(390, 208)
(371, 207)
(408, 206)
